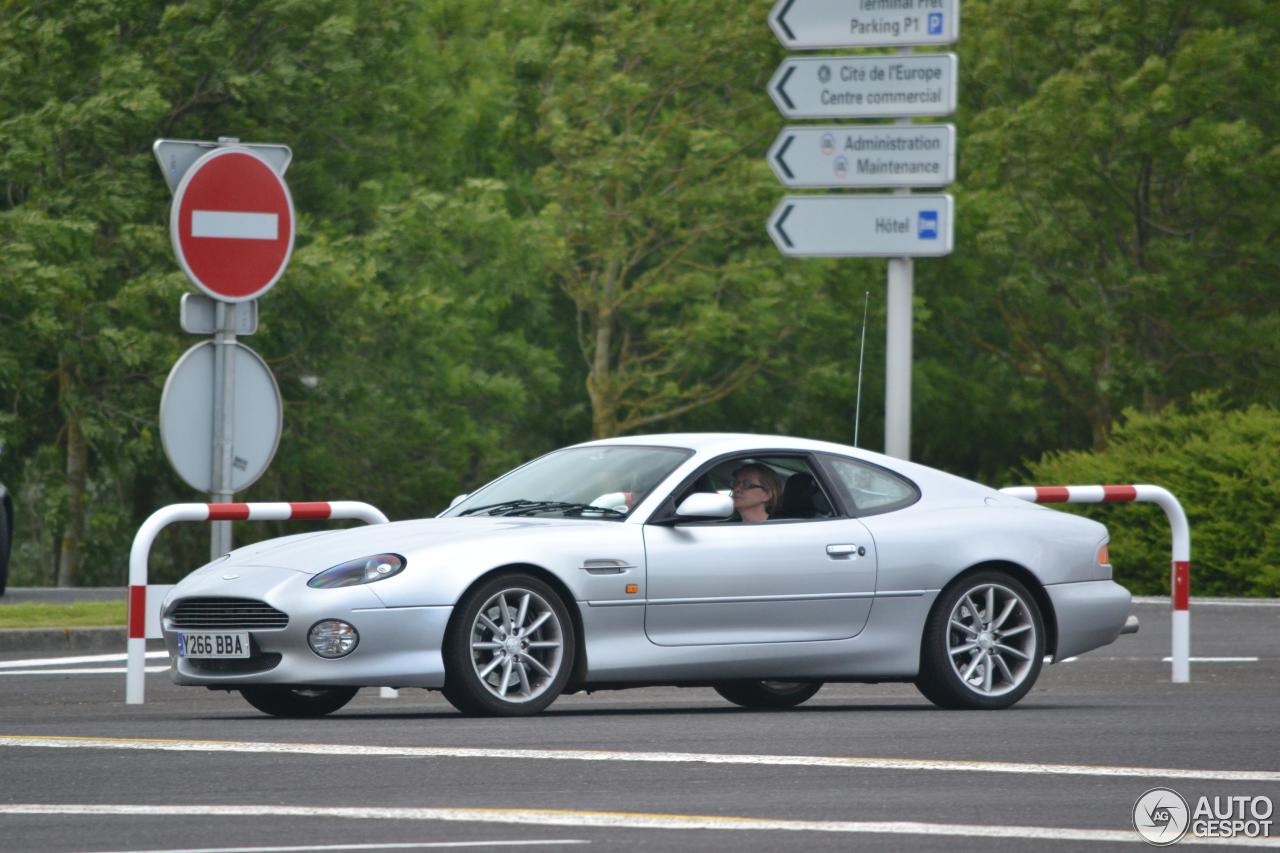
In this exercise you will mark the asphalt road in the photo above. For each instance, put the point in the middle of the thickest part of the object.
(859, 767)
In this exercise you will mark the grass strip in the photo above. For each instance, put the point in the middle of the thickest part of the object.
(78, 614)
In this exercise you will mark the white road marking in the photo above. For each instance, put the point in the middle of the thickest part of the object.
(629, 820)
(1215, 660)
(408, 845)
(1210, 602)
(18, 664)
(111, 670)
(236, 225)
(837, 762)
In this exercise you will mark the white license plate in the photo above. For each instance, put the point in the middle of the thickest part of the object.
(233, 644)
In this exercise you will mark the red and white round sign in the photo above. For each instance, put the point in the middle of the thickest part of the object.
(232, 224)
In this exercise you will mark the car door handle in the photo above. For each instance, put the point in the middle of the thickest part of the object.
(847, 551)
(606, 567)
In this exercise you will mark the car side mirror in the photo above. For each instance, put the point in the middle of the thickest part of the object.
(459, 499)
(705, 506)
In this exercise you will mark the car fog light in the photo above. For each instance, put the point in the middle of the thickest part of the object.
(332, 638)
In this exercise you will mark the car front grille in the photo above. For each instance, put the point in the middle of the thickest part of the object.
(225, 614)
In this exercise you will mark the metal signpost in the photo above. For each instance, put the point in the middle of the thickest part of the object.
(232, 224)
(902, 155)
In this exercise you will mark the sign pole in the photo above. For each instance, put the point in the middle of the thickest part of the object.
(897, 347)
(232, 224)
(900, 86)
(897, 355)
(224, 388)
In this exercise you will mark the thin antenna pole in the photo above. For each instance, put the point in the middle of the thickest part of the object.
(857, 408)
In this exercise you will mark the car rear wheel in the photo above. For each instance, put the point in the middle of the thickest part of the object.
(768, 694)
(983, 643)
(510, 649)
(280, 701)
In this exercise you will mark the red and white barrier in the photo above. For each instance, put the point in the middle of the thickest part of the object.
(163, 517)
(1180, 573)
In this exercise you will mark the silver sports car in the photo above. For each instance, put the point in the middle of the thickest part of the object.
(636, 561)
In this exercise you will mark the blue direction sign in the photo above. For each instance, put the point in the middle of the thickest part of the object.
(863, 226)
(810, 24)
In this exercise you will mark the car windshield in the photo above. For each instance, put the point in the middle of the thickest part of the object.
(604, 481)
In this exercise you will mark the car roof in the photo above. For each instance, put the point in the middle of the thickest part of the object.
(706, 444)
(716, 443)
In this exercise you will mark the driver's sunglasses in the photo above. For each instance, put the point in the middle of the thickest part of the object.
(744, 484)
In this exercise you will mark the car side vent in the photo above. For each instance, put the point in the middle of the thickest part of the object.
(225, 614)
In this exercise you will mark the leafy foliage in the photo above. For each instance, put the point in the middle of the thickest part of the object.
(1214, 462)
(526, 223)
(1115, 207)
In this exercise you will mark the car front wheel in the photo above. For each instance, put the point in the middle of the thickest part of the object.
(280, 701)
(983, 643)
(509, 651)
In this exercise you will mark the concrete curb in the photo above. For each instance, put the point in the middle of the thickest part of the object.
(62, 639)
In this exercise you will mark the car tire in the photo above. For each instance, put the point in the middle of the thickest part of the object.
(508, 665)
(768, 694)
(282, 701)
(983, 643)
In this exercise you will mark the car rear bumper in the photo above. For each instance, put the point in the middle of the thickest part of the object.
(1089, 614)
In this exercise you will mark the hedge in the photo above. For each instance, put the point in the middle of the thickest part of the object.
(1224, 468)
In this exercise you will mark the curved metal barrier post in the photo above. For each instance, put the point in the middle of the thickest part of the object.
(163, 517)
(1180, 573)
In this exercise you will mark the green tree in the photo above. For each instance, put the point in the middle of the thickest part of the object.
(1116, 225)
(90, 286)
(653, 119)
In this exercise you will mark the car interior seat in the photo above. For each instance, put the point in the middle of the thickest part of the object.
(802, 497)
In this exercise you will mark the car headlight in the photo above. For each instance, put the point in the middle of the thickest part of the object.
(332, 638)
(361, 570)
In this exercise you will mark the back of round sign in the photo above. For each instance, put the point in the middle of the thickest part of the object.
(186, 417)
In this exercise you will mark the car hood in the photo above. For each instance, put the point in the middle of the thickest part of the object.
(312, 553)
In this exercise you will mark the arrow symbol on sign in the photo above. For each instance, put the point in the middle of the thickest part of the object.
(782, 23)
(783, 150)
(778, 226)
(785, 77)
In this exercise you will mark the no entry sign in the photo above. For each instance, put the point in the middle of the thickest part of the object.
(232, 224)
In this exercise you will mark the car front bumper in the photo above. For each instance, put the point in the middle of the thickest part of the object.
(398, 646)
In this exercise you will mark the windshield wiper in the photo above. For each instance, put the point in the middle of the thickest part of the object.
(568, 508)
(494, 509)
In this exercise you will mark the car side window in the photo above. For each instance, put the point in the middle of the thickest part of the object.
(869, 488)
(800, 494)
